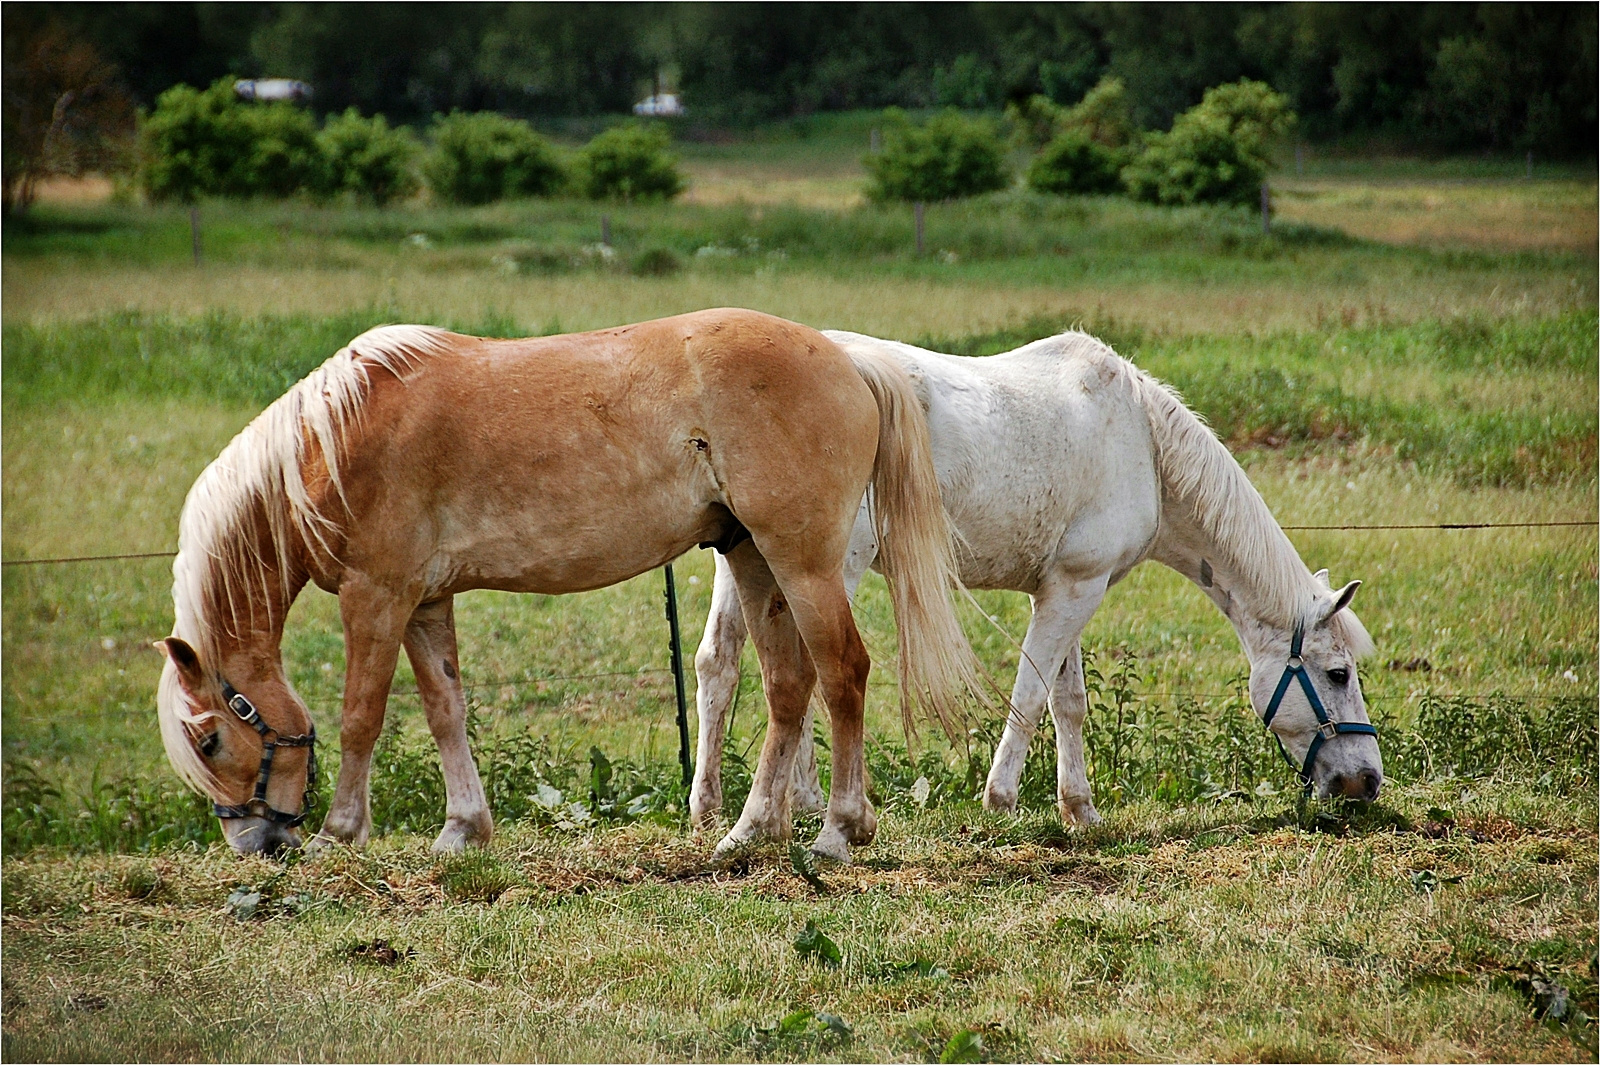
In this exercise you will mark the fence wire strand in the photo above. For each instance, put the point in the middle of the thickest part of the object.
(1449, 526)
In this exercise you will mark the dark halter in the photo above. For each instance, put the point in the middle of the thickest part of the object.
(257, 805)
(1327, 728)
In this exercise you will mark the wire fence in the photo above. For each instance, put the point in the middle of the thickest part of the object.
(1449, 526)
(524, 681)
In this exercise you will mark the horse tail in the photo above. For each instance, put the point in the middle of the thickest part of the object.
(916, 551)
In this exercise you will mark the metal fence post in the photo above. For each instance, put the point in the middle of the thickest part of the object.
(684, 759)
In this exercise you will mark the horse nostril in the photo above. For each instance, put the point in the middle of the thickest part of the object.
(1367, 784)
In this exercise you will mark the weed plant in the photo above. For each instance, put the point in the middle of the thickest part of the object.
(1138, 745)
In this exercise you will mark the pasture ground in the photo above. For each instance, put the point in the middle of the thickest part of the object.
(1415, 343)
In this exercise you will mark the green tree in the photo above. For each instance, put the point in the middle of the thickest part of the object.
(211, 144)
(368, 159)
(628, 163)
(64, 112)
(193, 141)
(1216, 152)
(482, 157)
(948, 157)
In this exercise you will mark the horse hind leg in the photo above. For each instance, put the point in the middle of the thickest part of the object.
(787, 677)
(716, 667)
(430, 643)
(822, 616)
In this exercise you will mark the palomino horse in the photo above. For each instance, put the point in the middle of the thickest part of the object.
(1063, 467)
(417, 463)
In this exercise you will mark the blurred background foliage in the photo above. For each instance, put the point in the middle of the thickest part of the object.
(1500, 77)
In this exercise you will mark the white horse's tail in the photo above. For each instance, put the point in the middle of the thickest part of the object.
(916, 551)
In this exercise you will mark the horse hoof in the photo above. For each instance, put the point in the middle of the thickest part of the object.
(999, 802)
(830, 846)
(457, 836)
(321, 844)
(731, 850)
(1078, 812)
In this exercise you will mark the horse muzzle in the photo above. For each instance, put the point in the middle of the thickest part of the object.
(258, 835)
(1362, 785)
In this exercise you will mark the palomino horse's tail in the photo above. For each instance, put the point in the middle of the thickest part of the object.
(916, 551)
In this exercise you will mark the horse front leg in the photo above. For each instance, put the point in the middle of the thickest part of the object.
(716, 669)
(374, 621)
(1061, 608)
(1069, 704)
(430, 642)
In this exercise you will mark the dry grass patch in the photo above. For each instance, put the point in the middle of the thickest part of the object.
(1498, 215)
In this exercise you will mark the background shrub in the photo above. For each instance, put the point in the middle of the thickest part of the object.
(284, 157)
(192, 142)
(628, 163)
(1073, 163)
(209, 143)
(1216, 152)
(948, 157)
(367, 158)
(478, 158)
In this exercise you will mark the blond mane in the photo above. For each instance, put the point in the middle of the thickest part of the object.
(254, 492)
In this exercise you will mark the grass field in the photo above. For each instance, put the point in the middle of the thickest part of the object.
(1415, 343)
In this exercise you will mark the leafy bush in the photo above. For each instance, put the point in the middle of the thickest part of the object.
(367, 158)
(1216, 152)
(628, 163)
(210, 144)
(192, 142)
(1073, 163)
(285, 156)
(482, 157)
(656, 262)
(948, 157)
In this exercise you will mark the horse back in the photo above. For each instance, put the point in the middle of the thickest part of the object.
(570, 462)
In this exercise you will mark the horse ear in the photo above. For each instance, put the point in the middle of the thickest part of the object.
(1341, 599)
(1322, 576)
(184, 658)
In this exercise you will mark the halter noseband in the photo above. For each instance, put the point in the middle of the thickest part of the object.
(257, 805)
(1327, 728)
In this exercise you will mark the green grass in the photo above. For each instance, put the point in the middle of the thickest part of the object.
(1359, 380)
(1224, 931)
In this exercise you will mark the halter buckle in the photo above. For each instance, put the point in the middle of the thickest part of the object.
(1295, 662)
(1328, 729)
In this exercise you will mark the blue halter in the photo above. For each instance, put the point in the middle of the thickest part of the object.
(1327, 728)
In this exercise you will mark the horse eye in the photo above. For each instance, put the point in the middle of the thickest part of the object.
(1339, 676)
(209, 743)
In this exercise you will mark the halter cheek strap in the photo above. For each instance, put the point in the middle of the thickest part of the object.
(1327, 728)
(257, 806)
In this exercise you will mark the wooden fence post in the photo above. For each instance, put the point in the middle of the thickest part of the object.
(194, 230)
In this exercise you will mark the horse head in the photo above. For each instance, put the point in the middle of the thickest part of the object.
(1304, 686)
(252, 750)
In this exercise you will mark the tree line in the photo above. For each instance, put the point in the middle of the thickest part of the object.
(1475, 76)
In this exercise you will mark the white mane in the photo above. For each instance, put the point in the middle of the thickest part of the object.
(1199, 473)
(255, 491)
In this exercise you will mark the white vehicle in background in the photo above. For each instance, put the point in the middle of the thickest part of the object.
(271, 90)
(661, 105)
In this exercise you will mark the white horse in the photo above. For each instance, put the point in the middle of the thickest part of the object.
(1062, 467)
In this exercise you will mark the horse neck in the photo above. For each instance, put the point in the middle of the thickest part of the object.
(1257, 601)
(241, 619)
